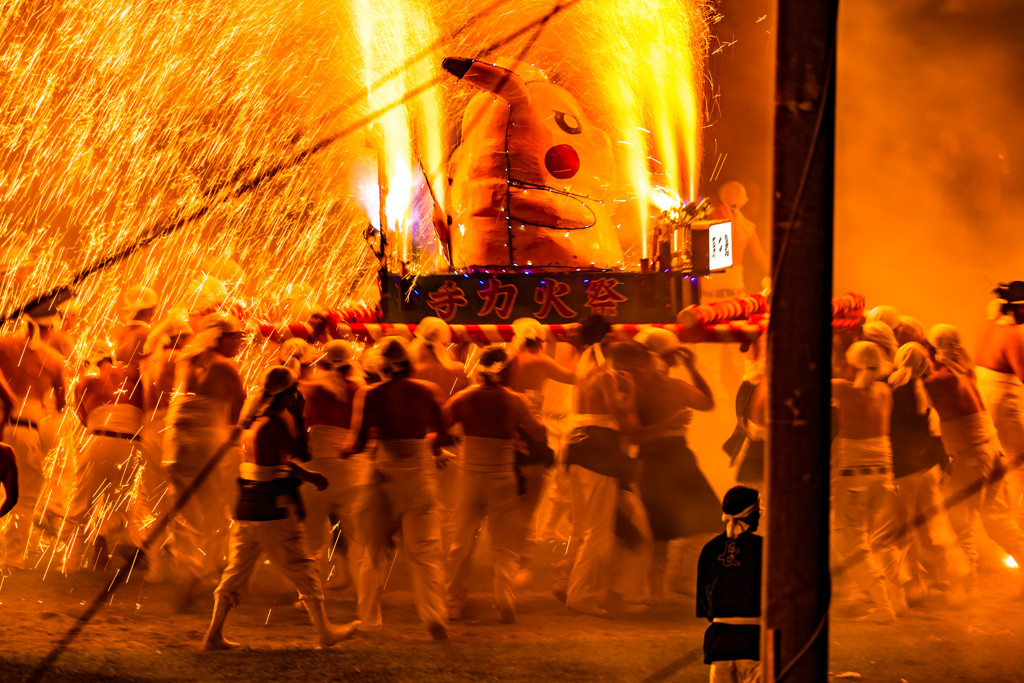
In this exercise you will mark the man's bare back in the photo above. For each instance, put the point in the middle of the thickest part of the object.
(1001, 348)
(397, 409)
(863, 413)
(32, 373)
(113, 385)
(953, 396)
(608, 392)
(492, 411)
(324, 407)
(528, 372)
(214, 376)
(448, 378)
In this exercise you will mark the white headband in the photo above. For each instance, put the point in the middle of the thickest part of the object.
(737, 524)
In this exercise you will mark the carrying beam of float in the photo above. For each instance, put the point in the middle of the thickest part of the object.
(228, 190)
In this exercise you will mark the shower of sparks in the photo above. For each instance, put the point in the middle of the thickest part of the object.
(118, 116)
(1010, 562)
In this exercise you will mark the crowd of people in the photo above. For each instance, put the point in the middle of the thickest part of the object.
(340, 454)
(927, 442)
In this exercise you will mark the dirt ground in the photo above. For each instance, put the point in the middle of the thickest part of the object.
(140, 637)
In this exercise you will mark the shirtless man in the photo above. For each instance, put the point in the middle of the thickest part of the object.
(35, 374)
(530, 368)
(403, 494)
(329, 399)
(865, 504)
(199, 420)
(746, 446)
(679, 501)
(48, 318)
(975, 484)
(138, 307)
(601, 472)
(163, 346)
(931, 550)
(492, 416)
(108, 401)
(1000, 372)
(268, 518)
(432, 362)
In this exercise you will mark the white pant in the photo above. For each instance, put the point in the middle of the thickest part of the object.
(866, 521)
(338, 501)
(535, 483)
(201, 527)
(105, 490)
(974, 489)
(154, 487)
(284, 542)
(493, 495)
(1003, 395)
(601, 565)
(403, 497)
(930, 541)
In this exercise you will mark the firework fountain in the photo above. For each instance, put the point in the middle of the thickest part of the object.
(249, 145)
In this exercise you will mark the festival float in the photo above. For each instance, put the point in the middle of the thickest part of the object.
(529, 233)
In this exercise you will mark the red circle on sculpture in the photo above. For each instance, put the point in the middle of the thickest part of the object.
(562, 161)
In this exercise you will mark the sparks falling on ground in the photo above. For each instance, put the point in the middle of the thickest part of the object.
(120, 117)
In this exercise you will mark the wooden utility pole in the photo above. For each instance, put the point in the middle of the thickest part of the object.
(796, 578)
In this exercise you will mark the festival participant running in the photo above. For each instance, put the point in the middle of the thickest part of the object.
(432, 362)
(139, 308)
(329, 398)
(491, 415)
(930, 547)
(975, 485)
(729, 591)
(746, 446)
(680, 502)
(403, 494)
(865, 493)
(529, 370)
(268, 518)
(164, 345)
(35, 374)
(108, 401)
(199, 420)
(1000, 371)
(601, 475)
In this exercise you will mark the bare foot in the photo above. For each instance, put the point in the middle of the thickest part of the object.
(218, 642)
(336, 634)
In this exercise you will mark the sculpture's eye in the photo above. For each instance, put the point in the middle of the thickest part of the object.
(569, 123)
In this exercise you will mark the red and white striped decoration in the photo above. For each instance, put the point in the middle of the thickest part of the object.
(730, 332)
(736, 308)
(738, 320)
